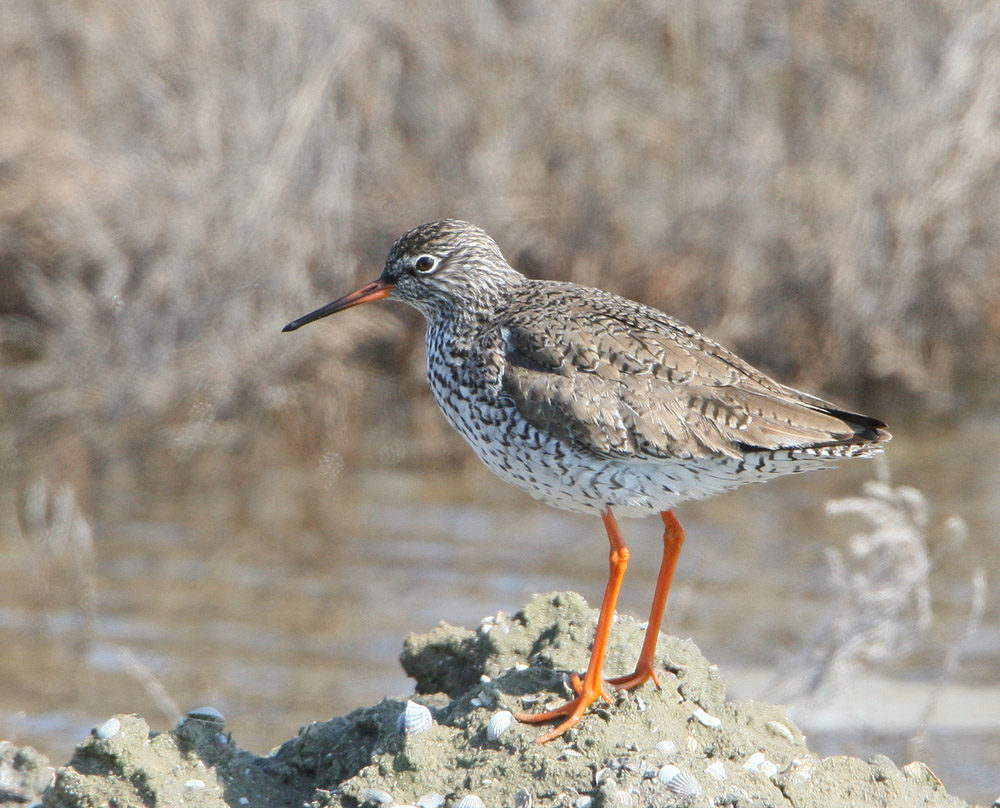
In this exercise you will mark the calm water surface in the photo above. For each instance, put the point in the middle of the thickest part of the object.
(281, 595)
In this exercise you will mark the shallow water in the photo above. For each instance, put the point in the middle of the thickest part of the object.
(281, 595)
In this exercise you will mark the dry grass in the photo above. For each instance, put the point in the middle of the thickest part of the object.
(816, 183)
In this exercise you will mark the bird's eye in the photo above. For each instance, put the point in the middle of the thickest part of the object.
(426, 264)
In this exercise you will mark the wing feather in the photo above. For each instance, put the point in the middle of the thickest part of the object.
(622, 380)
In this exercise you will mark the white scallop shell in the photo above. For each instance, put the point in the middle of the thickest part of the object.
(415, 718)
(470, 801)
(665, 747)
(499, 724)
(679, 782)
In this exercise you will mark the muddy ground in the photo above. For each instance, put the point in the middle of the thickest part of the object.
(684, 745)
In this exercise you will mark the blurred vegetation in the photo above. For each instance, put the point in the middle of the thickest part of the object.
(816, 184)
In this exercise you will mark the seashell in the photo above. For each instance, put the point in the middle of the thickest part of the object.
(485, 698)
(918, 770)
(691, 744)
(716, 770)
(624, 799)
(484, 679)
(584, 801)
(107, 730)
(569, 751)
(195, 784)
(679, 782)
(780, 730)
(758, 762)
(375, 796)
(431, 800)
(208, 715)
(705, 719)
(801, 769)
(499, 724)
(665, 747)
(521, 666)
(415, 718)
(530, 698)
(523, 799)
(470, 801)
(603, 774)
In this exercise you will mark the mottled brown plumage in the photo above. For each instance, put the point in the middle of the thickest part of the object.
(588, 401)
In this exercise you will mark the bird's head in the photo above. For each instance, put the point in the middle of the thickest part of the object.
(439, 268)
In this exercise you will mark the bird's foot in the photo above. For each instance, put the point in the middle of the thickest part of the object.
(572, 711)
(643, 673)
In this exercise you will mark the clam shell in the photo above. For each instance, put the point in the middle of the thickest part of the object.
(414, 719)
(375, 796)
(758, 762)
(705, 719)
(431, 800)
(499, 723)
(470, 801)
(716, 770)
(665, 747)
(107, 730)
(679, 782)
(208, 715)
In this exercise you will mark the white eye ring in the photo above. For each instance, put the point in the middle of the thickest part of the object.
(426, 264)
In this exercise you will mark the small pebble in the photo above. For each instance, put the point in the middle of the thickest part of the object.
(194, 784)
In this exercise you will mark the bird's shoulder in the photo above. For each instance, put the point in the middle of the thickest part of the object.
(566, 328)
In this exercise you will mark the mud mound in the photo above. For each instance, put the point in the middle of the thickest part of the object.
(454, 745)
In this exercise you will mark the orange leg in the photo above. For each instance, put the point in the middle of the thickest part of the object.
(591, 688)
(673, 539)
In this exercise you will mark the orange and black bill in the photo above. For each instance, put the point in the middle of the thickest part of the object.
(375, 290)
